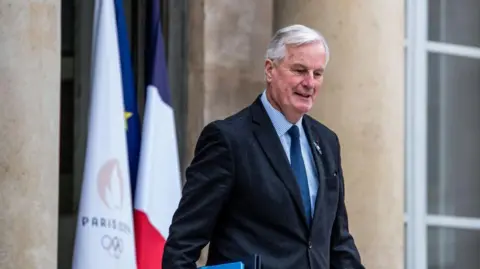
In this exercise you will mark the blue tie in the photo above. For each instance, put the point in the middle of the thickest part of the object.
(298, 166)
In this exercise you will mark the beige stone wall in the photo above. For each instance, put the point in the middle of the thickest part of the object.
(363, 101)
(29, 132)
(227, 42)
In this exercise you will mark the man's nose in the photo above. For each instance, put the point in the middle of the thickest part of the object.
(308, 80)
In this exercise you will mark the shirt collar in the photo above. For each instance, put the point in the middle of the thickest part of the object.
(280, 123)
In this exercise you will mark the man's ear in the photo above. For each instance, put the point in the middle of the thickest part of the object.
(269, 66)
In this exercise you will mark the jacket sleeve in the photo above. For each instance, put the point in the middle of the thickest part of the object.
(343, 252)
(209, 180)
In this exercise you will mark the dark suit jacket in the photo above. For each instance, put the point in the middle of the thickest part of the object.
(242, 197)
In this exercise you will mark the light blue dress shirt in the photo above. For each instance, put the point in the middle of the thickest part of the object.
(282, 125)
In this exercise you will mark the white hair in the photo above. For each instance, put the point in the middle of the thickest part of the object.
(294, 35)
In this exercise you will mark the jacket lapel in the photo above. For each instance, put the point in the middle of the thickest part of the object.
(268, 139)
(324, 162)
(317, 152)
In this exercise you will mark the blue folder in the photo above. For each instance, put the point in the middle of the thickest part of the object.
(233, 265)
(251, 262)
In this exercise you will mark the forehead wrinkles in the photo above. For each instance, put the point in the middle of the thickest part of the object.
(305, 58)
(293, 53)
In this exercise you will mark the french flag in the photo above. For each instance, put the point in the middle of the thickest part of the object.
(158, 189)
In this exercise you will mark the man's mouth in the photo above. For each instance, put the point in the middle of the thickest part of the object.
(302, 95)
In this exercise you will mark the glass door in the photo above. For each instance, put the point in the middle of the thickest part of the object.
(443, 131)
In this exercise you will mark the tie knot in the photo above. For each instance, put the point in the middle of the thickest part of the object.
(294, 132)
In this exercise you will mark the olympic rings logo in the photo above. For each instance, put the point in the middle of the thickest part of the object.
(114, 245)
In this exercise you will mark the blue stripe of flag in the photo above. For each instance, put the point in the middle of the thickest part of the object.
(156, 61)
(129, 94)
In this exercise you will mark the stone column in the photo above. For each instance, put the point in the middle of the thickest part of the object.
(227, 43)
(29, 132)
(228, 40)
(363, 102)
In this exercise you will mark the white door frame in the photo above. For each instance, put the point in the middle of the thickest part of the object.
(416, 134)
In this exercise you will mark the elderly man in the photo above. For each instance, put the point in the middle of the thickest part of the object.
(268, 180)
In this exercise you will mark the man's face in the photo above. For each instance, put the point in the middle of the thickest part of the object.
(296, 80)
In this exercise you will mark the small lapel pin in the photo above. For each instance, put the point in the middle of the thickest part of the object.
(317, 147)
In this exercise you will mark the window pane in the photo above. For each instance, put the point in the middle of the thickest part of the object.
(453, 248)
(453, 136)
(454, 21)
